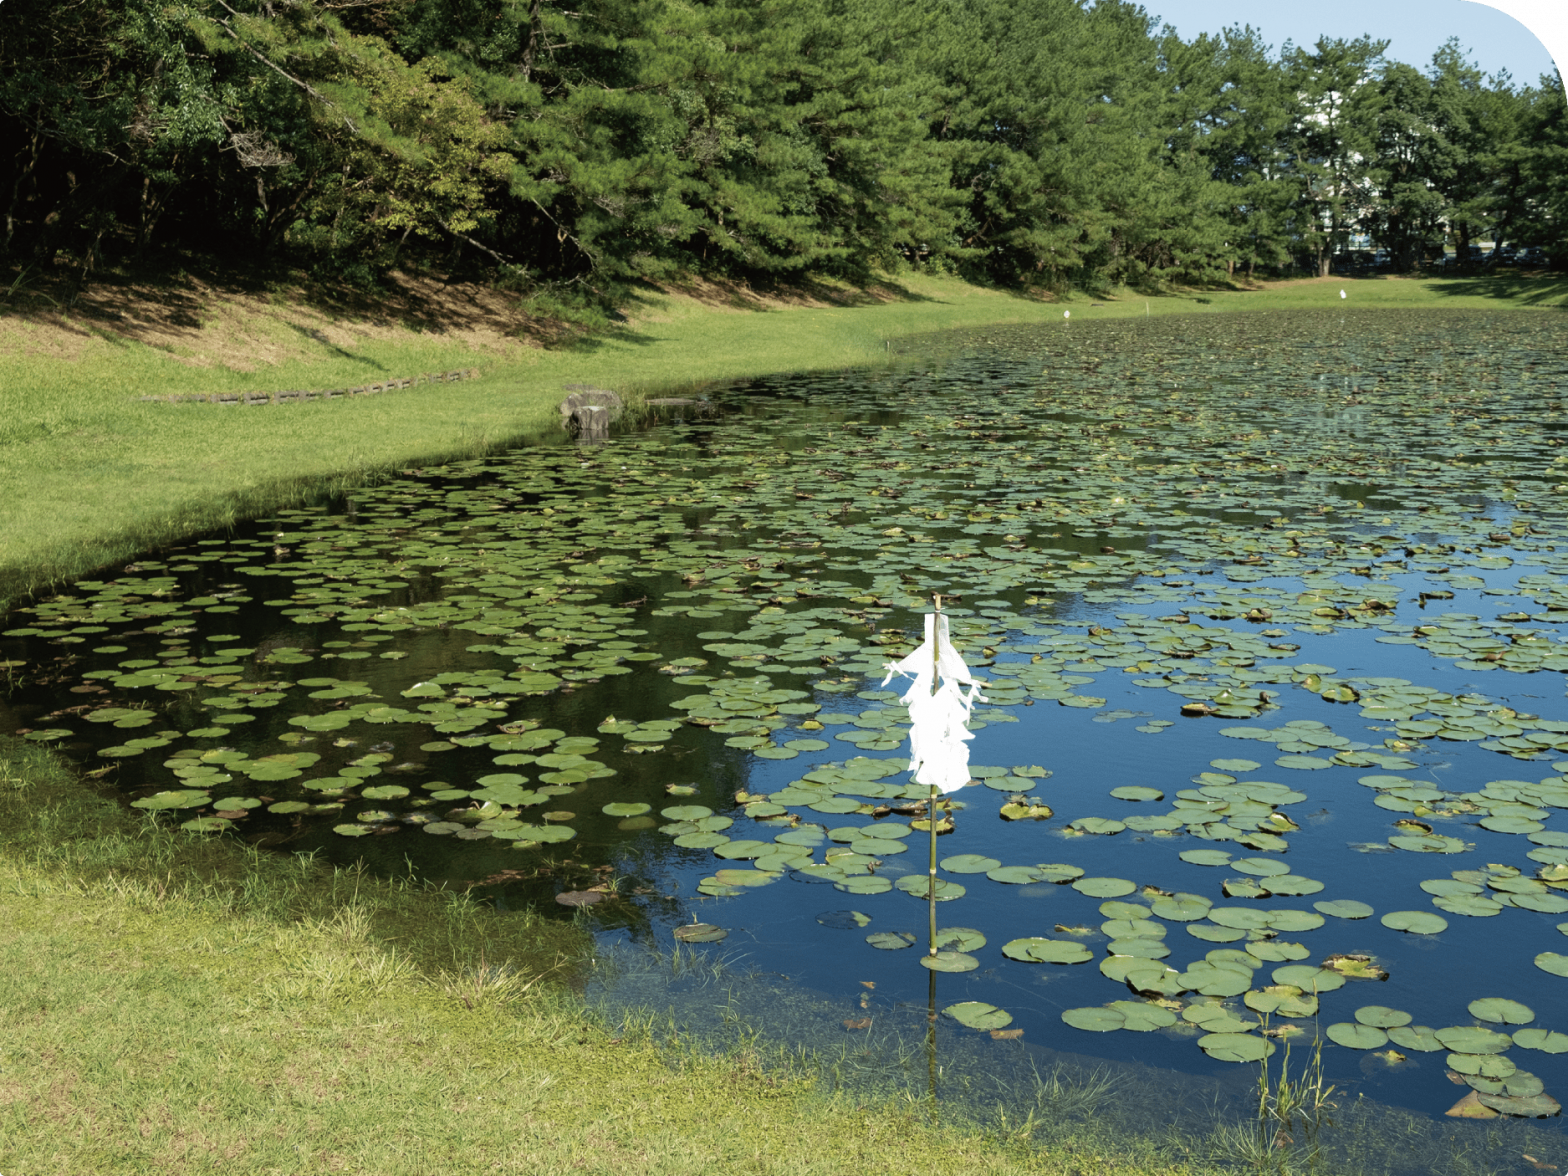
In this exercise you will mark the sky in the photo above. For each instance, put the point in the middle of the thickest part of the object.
(1413, 28)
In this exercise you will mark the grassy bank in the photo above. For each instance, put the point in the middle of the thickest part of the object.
(176, 1004)
(89, 474)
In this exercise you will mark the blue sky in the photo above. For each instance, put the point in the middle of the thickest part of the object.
(1413, 28)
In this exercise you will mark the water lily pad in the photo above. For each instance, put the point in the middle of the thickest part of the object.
(918, 885)
(626, 809)
(1104, 887)
(959, 938)
(1501, 1012)
(969, 863)
(1095, 1020)
(891, 940)
(1382, 1017)
(1136, 792)
(1415, 922)
(1344, 908)
(843, 920)
(1235, 1047)
(1036, 950)
(1415, 1037)
(1545, 1040)
(1205, 857)
(1553, 962)
(953, 961)
(1014, 875)
(700, 933)
(976, 1014)
(1308, 978)
(1142, 1017)
(1472, 1039)
(1540, 1106)
(1353, 1035)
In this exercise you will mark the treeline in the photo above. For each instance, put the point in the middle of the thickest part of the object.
(578, 147)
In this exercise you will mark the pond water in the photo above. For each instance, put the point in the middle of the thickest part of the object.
(1271, 609)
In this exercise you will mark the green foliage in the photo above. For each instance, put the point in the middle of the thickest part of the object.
(573, 151)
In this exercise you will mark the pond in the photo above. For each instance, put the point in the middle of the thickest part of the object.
(1271, 611)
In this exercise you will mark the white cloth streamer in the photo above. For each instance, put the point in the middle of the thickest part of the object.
(938, 709)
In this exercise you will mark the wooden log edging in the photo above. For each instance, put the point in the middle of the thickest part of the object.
(293, 397)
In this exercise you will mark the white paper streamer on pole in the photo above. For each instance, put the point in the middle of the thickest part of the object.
(938, 708)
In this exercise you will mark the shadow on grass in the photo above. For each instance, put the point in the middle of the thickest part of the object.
(1529, 289)
(61, 825)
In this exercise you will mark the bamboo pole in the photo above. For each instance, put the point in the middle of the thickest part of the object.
(936, 663)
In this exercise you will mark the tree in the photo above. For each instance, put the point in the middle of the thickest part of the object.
(1333, 140)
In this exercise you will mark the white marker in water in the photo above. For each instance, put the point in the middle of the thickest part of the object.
(1342, 294)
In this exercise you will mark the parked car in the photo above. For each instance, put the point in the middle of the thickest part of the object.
(1533, 255)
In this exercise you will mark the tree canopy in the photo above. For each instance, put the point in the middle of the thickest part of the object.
(583, 147)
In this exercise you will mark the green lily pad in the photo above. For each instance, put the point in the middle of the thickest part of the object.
(976, 1014)
(1235, 1047)
(951, 961)
(1415, 1037)
(1014, 875)
(1205, 857)
(1309, 978)
(700, 933)
(891, 940)
(1095, 1020)
(1545, 1040)
(626, 809)
(1353, 1035)
(959, 939)
(918, 885)
(1553, 962)
(1472, 1039)
(1382, 1017)
(1142, 1017)
(969, 863)
(1415, 922)
(1036, 950)
(1136, 792)
(1500, 1011)
(1344, 908)
(1103, 887)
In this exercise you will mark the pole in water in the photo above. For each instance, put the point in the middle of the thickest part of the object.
(936, 665)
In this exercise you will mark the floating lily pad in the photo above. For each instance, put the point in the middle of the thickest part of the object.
(1104, 887)
(1382, 1017)
(1553, 962)
(1047, 951)
(843, 920)
(953, 961)
(969, 863)
(1545, 1040)
(891, 940)
(1136, 792)
(1500, 1011)
(1344, 908)
(700, 933)
(976, 1014)
(1095, 1020)
(1415, 922)
(1235, 1047)
(1354, 1035)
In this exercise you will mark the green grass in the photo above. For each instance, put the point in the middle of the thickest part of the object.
(176, 1004)
(89, 475)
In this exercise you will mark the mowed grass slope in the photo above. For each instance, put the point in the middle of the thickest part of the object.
(89, 474)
